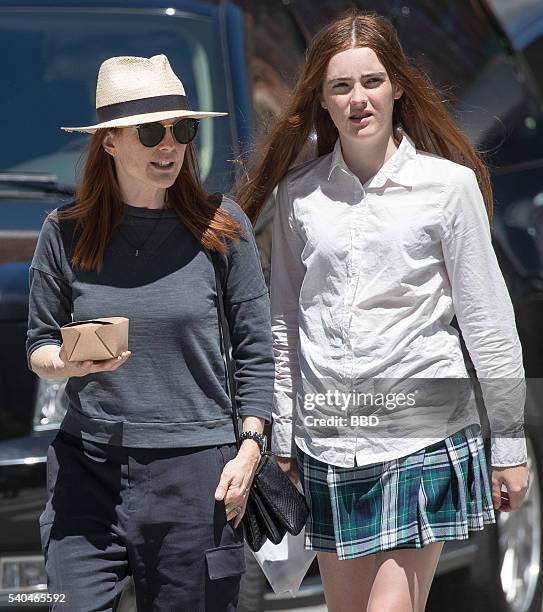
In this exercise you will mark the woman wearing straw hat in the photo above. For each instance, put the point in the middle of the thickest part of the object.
(144, 477)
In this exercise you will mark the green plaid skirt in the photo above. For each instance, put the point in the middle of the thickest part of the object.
(441, 492)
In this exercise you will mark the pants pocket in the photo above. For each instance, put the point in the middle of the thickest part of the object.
(225, 564)
(225, 561)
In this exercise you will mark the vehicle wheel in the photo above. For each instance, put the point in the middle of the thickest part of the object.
(253, 585)
(506, 576)
(520, 543)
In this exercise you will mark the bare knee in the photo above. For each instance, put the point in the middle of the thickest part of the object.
(403, 578)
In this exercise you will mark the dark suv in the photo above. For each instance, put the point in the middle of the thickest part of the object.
(242, 57)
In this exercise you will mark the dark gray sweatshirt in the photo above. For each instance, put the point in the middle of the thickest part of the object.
(172, 391)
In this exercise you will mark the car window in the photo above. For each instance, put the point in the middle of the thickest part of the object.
(50, 78)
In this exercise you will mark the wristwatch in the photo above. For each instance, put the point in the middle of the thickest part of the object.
(259, 438)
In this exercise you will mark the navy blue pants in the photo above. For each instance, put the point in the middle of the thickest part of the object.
(113, 512)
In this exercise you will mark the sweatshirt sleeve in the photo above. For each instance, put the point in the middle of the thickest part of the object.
(247, 309)
(50, 298)
(287, 275)
(485, 315)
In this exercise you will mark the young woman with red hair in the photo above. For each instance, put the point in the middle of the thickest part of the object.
(377, 244)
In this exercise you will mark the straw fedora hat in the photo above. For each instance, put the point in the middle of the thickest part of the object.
(134, 90)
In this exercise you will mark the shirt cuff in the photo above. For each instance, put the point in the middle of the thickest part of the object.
(282, 438)
(256, 411)
(508, 452)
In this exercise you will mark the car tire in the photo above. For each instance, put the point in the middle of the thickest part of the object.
(253, 585)
(520, 544)
(505, 575)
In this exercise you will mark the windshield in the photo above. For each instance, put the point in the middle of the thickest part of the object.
(49, 80)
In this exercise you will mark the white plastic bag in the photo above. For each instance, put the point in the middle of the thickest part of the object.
(285, 564)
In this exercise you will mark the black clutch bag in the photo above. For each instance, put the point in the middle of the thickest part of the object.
(275, 505)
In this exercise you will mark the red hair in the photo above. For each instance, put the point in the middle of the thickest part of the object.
(99, 207)
(419, 111)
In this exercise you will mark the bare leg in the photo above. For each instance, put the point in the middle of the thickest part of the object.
(347, 584)
(403, 578)
(394, 581)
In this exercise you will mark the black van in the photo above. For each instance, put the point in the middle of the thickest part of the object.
(242, 56)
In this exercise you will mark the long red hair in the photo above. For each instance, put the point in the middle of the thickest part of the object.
(419, 111)
(99, 207)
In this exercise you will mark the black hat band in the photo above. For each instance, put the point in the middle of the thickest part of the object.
(142, 106)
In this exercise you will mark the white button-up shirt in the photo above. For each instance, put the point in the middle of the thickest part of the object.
(366, 279)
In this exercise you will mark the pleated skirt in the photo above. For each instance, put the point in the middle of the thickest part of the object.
(441, 492)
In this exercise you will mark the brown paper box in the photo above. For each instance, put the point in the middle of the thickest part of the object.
(95, 339)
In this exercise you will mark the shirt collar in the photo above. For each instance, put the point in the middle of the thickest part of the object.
(337, 161)
(399, 168)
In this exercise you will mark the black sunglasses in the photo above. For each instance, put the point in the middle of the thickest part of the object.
(151, 134)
